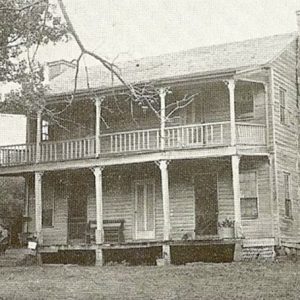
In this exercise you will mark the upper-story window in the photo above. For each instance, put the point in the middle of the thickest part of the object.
(287, 195)
(244, 105)
(45, 130)
(282, 101)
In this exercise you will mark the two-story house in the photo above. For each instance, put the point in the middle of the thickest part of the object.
(169, 186)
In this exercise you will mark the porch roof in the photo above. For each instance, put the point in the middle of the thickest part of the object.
(210, 60)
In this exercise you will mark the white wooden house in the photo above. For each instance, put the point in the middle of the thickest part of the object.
(231, 155)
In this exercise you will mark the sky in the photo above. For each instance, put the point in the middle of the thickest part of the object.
(127, 29)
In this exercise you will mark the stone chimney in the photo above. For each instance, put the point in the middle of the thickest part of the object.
(298, 20)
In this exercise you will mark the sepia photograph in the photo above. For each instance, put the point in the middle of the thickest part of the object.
(149, 149)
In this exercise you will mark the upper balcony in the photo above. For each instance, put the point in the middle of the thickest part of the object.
(139, 141)
(208, 124)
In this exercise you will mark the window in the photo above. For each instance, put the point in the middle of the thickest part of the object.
(287, 196)
(248, 190)
(48, 207)
(282, 106)
(244, 105)
(45, 130)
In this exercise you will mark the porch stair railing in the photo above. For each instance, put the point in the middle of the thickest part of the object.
(176, 137)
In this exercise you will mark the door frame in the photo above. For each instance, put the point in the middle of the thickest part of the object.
(217, 192)
(69, 199)
(146, 235)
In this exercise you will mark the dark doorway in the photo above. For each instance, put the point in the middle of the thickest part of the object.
(77, 213)
(206, 204)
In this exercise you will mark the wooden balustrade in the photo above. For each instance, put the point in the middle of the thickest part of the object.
(17, 154)
(200, 135)
(177, 137)
(251, 134)
(68, 150)
(139, 140)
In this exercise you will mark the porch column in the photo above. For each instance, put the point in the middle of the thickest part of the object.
(38, 135)
(98, 102)
(162, 95)
(38, 205)
(231, 87)
(163, 165)
(235, 164)
(99, 204)
(26, 204)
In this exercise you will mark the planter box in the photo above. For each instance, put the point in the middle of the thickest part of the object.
(226, 232)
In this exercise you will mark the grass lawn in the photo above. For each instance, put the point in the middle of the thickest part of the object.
(195, 281)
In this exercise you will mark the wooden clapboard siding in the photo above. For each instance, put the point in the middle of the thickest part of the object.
(261, 227)
(58, 233)
(259, 104)
(284, 76)
(182, 205)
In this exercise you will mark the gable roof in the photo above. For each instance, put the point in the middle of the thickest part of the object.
(211, 59)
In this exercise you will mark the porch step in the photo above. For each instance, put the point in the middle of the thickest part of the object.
(13, 257)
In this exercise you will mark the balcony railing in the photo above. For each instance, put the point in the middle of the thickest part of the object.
(177, 137)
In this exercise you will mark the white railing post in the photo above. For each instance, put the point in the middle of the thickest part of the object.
(99, 204)
(235, 165)
(98, 103)
(38, 205)
(162, 95)
(163, 165)
(38, 136)
(231, 87)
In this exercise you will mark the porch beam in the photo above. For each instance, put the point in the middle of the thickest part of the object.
(235, 164)
(231, 87)
(38, 135)
(163, 165)
(99, 204)
(38, 205)
(98, 103)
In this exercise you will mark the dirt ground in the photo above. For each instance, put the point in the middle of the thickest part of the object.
(195, 281)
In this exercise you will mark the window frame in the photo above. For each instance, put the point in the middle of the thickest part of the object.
(45, 130)
(254, 217)
(288, 213)
(52, 198)
(240, 97)
(282, 106)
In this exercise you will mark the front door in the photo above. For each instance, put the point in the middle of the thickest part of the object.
(206, 204)
(144, 209)
(77, 213)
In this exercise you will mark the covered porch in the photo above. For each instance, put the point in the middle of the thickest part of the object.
(165, 202)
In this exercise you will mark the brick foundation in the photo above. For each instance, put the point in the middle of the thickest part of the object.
(258, 253)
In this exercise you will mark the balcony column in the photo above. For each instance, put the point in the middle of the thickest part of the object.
(98, 103)
(26, 204)
(231, 87)
(38, 135)
(163, 165)
(38, 205)
(99, 204)
(235, 164)
(162, 95)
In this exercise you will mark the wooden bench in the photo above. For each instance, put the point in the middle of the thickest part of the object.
(113, 231)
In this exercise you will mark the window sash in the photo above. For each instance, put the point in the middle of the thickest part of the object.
(249, 208)
(47, 217)
(288, 208)
(282, 102)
